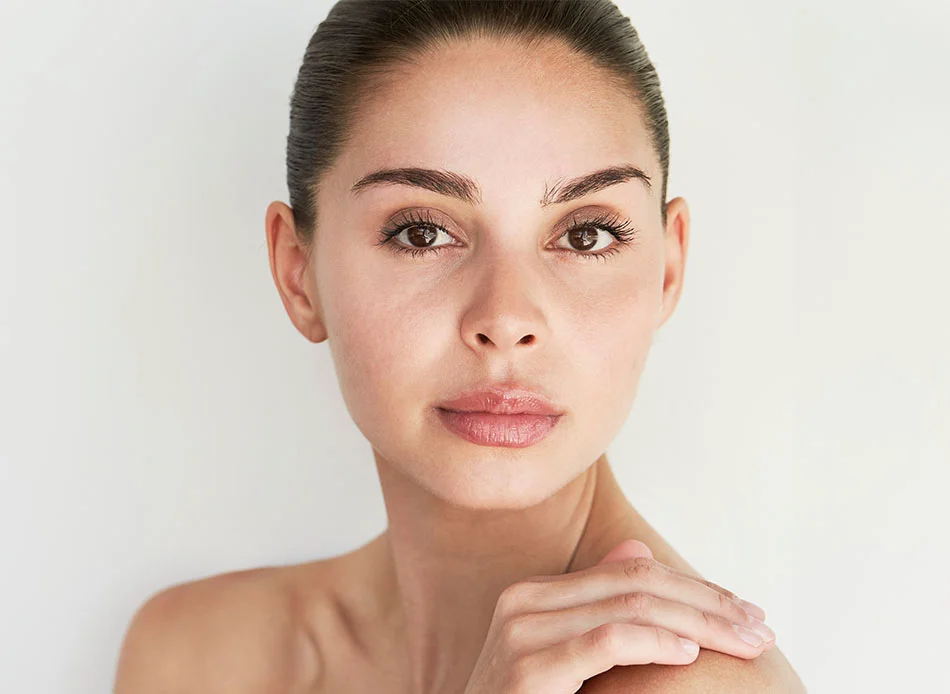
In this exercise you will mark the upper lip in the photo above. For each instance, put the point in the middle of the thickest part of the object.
(503, 399)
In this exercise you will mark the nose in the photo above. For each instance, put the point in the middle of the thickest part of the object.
(506, 312)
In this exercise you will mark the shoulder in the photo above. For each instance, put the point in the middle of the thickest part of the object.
(235, 632)
(712, 672)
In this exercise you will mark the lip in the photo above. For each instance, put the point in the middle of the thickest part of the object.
(500, 415)
(503, 400)
(505, 430)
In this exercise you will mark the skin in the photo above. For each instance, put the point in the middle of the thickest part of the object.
(409, 611)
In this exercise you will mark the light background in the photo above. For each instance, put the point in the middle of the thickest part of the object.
(161, 420)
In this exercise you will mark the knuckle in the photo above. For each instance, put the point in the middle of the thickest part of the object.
(716, 622)
(516, 629)
(605, 638)
(728, 593)
(658, 635)
(514, 597)
(637, 604)
(640, 568)
(727, 606)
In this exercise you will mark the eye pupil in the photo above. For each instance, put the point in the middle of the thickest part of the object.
(586, 235)
(416, 233)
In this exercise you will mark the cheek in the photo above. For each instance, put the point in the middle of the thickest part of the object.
(610, 337)
(385, 347)
(613, 325)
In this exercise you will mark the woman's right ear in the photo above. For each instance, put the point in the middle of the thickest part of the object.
(290, 267)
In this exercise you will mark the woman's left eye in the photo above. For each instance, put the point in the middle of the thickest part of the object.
(589, 239)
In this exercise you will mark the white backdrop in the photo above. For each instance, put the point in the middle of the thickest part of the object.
(161, 419)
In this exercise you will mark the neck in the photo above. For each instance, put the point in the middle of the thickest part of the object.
(444, 567)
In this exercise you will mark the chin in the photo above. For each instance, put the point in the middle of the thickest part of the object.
(495, 478)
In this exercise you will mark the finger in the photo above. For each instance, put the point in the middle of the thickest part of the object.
(535, 631)
(583, 656)
(637, 575)
(749, 607)
(633, 548)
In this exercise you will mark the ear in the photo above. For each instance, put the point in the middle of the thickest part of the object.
(290, 267)
(676, 240)
(628, 549)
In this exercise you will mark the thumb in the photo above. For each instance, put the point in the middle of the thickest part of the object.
(628, 549)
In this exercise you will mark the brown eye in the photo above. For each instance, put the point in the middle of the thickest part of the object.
(419, 233)
(585, 237)
(582, 238)
(419, 236)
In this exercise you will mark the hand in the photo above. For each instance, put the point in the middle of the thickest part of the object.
(550, 633)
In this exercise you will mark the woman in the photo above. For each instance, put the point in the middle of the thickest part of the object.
(478, 228)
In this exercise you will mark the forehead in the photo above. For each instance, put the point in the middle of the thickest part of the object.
(499, 112)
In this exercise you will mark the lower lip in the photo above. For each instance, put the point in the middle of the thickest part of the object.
(505, 430)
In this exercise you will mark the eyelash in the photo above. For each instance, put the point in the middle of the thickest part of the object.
(621, 229)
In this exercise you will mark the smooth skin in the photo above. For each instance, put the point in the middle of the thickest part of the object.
(502, 295)
(552, 633)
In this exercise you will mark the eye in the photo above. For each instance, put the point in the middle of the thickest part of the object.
(585, 239)
(420, 234)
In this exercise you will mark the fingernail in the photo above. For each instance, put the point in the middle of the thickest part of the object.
(762, 630)
(751, 608)
(747, 635)
(690, 647)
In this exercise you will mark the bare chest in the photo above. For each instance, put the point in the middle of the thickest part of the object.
(346, 669)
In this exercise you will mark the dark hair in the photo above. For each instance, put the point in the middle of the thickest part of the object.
(361, 40)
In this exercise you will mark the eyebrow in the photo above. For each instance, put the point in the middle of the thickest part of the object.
(465, 189)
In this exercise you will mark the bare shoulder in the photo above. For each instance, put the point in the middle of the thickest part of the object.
(712, 672)
(243, 631)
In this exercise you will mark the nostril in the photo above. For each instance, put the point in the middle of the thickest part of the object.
(527, 339)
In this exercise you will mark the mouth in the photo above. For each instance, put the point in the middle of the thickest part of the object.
(501, 415)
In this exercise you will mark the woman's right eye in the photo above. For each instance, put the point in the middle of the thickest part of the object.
(419, 238)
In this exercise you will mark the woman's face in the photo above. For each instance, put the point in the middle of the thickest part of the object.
(504, 293)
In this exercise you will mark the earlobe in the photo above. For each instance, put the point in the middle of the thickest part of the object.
(309, 322)
(291, 271)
